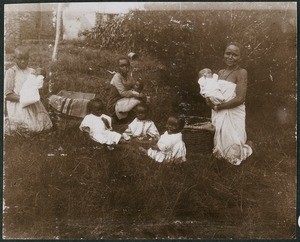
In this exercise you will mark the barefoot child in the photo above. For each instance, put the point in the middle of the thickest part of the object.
(141, 127)
(170, 146)
(98, 125)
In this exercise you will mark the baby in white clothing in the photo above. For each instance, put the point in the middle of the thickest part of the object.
(209, 86)
(98, 125)
(29, 92)
(170, 147)
(141, 127)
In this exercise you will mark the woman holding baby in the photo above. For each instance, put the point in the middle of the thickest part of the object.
(24, 115)
(229, 113)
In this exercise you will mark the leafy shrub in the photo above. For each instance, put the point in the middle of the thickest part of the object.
(186, 41)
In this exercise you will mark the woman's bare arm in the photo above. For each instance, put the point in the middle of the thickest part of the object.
(126, 93)
(12, 97)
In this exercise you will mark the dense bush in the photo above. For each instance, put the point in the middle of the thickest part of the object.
(186, 41)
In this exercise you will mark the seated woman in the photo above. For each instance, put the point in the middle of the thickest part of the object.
(31, 118)
(121, 88)
(229, 116)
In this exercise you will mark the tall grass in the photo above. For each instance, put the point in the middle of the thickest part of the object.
(63, 185)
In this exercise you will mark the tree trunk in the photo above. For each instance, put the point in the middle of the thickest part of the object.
(58, 31)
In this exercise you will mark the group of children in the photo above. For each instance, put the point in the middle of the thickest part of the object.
(169, 146)
(165, 148)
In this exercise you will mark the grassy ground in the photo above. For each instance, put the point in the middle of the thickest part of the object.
(62, 185)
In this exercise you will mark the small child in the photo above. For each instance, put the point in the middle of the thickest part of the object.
(141, 127)
(29, 92)
(209, 86)
(125, 104)
(98, 125)
(170, 146)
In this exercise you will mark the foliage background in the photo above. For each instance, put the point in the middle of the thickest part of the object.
(186, 41)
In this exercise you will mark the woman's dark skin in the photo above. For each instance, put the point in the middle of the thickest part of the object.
(237, 75)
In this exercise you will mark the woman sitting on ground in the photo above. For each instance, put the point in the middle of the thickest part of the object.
(121, 88)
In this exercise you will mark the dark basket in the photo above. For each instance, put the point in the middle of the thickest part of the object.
(197, 141)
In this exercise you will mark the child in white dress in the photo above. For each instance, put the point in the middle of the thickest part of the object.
(209, 87)
(141, 127)
(29, 92)
(98, 125)
(170, 147)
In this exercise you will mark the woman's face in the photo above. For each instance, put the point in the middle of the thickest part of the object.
(124, 67)
(22, 59)
(232, 56)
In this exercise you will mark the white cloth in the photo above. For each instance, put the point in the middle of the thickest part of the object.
(209, 87)
(141, 128)
(29, 92)
(98, 131)
(126, 104)
(230, 135)
(33, 118)
(171, 147)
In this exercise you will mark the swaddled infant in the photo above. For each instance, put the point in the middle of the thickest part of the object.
(29, 92)
(209, 86)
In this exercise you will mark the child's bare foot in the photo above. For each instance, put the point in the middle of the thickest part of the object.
(251, 144)
(109, 147)
(124, 141)
(143, 151)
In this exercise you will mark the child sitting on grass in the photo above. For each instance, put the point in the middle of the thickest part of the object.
(141, 127)
(98, 125)
(170, 147)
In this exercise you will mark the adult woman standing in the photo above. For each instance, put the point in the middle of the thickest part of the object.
(229, 117)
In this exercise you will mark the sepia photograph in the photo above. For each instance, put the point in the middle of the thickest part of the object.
(149, 120)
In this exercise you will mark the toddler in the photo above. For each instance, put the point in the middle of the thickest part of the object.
(141, 127)
(209, 86)
(98, 125)
(29, 92)
(170, 146)
(125, 104)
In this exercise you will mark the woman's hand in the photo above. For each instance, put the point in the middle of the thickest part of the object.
(13, 97)
(209, 103)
